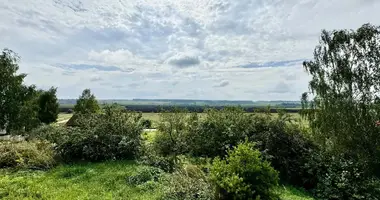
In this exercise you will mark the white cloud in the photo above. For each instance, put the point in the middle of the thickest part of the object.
(174, 48)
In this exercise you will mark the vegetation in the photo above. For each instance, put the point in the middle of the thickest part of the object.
(224, 153)
(86, 103)
(48, 106)
(244, 175)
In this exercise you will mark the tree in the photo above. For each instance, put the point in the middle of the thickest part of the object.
(48, 106)
(16, 99)
(346, 87)
(86, 103)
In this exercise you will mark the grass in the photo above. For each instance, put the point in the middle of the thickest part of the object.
(291, 193)
(107, 180)
(64, 116)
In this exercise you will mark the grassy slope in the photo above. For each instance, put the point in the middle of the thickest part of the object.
(87, 181)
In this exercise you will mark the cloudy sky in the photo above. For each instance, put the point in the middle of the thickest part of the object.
(197, 49)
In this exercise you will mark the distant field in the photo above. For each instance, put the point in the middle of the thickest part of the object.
(155, 117)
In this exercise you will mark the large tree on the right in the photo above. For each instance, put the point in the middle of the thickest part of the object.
(345, 85)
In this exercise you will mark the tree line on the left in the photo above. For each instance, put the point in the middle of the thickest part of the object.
(23, 107)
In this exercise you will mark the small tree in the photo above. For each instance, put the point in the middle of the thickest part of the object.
(48, 106)
(87, 103)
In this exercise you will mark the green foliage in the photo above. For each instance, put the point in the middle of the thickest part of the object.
(145, 174)
(17, 101)
(342, 178)
(113, 134)
(182, 186)
(146, 123)
(287, 148)
(218, 131)
(30, 155)
(87, 103)
(48, 106)
(170, 138)
(149, 156)
(244, 174)
(346, 86)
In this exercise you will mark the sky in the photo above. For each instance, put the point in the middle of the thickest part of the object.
(182, 49)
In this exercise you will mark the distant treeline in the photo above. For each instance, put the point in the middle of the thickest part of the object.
(191, 108)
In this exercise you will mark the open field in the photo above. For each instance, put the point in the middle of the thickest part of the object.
(107, 180)
(155, 117)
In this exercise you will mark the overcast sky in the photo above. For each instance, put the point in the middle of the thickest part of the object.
(198, 49)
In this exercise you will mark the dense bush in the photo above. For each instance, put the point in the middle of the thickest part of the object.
(149, 156)
(28, 155)
(183, 185)
(146, 123)
(145, 174)
(244, 175)
(288, 149)
(218, 131)
(171, 136)
(340, 177)
(111, 135)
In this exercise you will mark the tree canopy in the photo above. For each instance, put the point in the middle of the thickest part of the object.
(48, 106)
(346, 87)
(16, 98)
(87, 103)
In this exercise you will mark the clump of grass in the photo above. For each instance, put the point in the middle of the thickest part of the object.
(292, 193)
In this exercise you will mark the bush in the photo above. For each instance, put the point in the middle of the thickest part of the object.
(149, 156)
(288, 150)
(145, 174)
(146, 123)
(342, 178)
(182, 186)
(112, 135)
(26, 155)
(218, 131)
(244, 175)
(171, 136)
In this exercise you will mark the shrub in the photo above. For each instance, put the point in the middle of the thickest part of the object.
(146, 123)
(51, 133)
(244, 175)
(342, 178)
(149, 156)
(27, 155)
(145, 174)
(181, 186)
(111, 135)
(288, 150)
(170, 138)
(218, 131)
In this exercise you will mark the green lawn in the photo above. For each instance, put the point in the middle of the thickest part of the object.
(101, 181)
